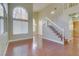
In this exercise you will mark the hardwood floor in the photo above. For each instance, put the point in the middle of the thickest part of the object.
(25, 48)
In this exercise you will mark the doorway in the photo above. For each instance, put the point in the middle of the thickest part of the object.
(76, 32)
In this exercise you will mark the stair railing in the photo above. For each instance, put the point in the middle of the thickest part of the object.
(57, 30)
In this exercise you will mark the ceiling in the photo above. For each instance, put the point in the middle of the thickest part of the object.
(39, 6)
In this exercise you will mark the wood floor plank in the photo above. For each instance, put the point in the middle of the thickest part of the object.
(50, 48)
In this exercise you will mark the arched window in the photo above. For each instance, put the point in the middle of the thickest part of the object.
(20, 21)
(20, 13)
(1, 19)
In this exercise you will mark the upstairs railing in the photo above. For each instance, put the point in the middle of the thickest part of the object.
(70, 5)
(56, 29)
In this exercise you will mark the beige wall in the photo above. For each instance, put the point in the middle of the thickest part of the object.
(36, 17)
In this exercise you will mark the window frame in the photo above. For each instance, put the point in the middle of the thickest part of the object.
(3, 17)
(22, 20)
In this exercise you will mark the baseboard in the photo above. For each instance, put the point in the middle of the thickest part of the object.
(12, 41)
(19, 39)
(6, 49)
(53, 40)
(29, 38)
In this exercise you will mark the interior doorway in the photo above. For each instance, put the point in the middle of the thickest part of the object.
(76, 32)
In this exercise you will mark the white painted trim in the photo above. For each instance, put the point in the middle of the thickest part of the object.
(11, 41)
(19, 39)
(74, 19)
(6, 49)
(26, 39)
(54, 40)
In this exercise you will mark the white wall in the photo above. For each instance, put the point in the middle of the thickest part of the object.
(29, 8)
(61, 16)
(4, 36)
(3, 43)
(50, 35)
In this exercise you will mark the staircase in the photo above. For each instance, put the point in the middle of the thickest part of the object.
(56, 30)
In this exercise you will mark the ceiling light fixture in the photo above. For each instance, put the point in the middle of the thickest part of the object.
(76, 16)
(52, 12)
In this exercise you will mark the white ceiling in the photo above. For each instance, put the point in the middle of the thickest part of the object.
(39, 6)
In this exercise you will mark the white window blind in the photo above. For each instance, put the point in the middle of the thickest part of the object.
(20, 21)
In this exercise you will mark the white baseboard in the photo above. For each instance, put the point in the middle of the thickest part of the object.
(29, 38)
(12, 41)
(18, 39)
(5, 49)
(54, 40)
